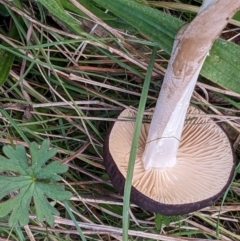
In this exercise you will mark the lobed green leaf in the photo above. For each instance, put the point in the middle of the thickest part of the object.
(29, 184)
(50, 171)
(18, 159)
(43, 207)
(18, 206)
(54, 191)
(41, 155)
(10, 184)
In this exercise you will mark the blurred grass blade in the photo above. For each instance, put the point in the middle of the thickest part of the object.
(20, 233)
(133, 152)
(87, 4)
(222, 65)
(56, 8)
(14, 125)
(3, 11)
(75, 221)
(6, 62)
(6, 57)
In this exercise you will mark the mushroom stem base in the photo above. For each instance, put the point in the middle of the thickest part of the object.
(161, 151)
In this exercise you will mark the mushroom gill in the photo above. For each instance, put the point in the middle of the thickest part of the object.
(204, 160)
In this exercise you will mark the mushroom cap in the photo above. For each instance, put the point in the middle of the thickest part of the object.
(204, 169)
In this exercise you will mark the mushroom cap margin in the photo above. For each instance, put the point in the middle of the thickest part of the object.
(149, 204)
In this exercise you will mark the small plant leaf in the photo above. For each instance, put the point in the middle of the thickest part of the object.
(162, 219)
(8, 184)
(18, 206)
(158, 221)
(49, 171)
(54, 191)
(43, 207)
(34, 181)
(41, 155)
(18, 160)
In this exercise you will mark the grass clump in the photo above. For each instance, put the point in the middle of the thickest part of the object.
(71, 74)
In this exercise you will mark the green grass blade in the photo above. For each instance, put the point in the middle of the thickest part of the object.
(87, 4)
(120, 63)
(222, 66)
(56, 8)
(5, 65)
(3, 10)
(75, 222)
(20, 234)
(15, 126)
(158, 25)
(133, 152)
(6, 57)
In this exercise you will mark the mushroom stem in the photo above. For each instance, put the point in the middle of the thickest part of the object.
(191, 47)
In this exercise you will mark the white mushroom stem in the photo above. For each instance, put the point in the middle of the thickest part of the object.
(190, 49)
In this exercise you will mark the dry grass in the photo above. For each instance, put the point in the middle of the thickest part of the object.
(69, 88)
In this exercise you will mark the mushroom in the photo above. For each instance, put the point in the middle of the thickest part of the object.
(182, 165)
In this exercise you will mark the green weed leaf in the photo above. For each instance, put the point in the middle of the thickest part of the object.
(34, 181)
(162, 219)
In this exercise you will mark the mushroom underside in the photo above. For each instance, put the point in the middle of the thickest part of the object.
(204, 168)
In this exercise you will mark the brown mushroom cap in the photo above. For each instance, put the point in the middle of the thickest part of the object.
(203, 172)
